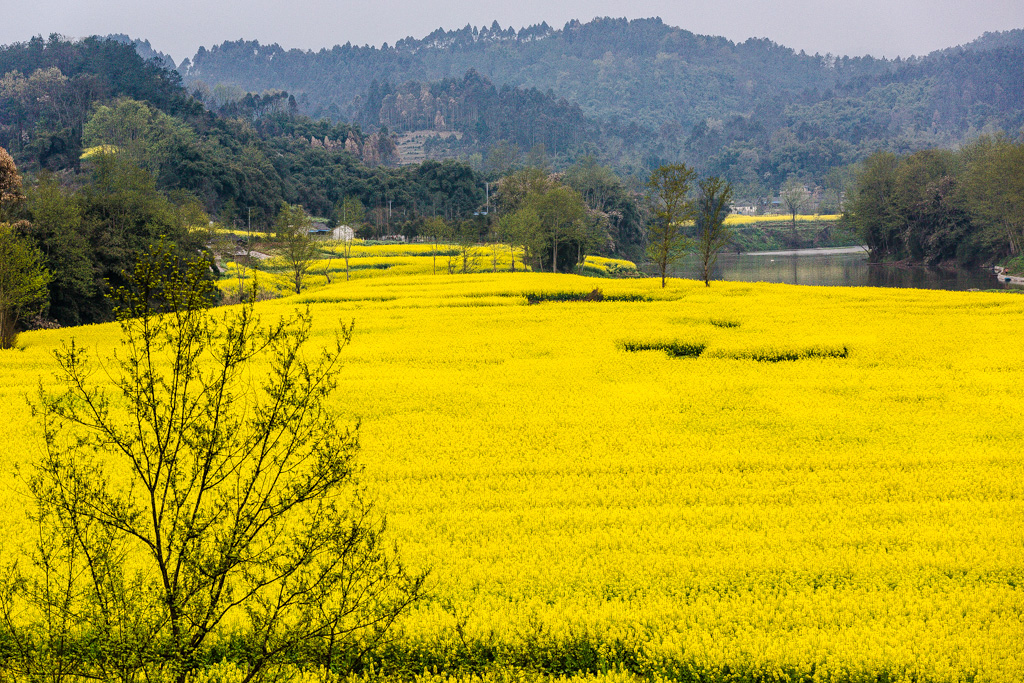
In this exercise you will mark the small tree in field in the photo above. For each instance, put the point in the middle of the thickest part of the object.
(439, 233)
(350, 214)
(713, 197)
(201, 494)
(297, 248)
(668, 190)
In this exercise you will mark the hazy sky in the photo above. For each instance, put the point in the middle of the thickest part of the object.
(853, 27)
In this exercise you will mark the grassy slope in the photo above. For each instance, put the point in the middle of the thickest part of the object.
(853, 516)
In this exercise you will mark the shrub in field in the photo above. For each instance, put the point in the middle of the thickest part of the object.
(195, 498)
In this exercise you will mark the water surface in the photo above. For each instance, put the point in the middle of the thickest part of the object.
(837, 267)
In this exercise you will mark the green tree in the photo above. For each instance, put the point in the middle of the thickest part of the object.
(147, 136)
(520, 229)
(514, 189)
(597, 184)
(560, 213)
(57, 229)
(713, 197)
(872, 209)
(23, 281)
(212, 499)
(123, 214)
(668, 191)
(350, 212)
(296, 246)
(501, 159)
(466, 238)
(993, 191)
(794, 197)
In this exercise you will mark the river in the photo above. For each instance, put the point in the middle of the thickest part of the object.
(837, 267)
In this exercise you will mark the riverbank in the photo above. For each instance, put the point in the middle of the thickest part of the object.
(817, 251)
(774, 235)
(1005, 275)
(840, 267)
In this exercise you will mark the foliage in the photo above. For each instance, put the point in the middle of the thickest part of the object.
(297, 249)
(48, 88)
(473, 105)
(57, 230)
(668, 192)
(992, 190)
(794, 196)
(543, 212)
(937, 206)
(194, 497)
(712, 208)
(610, 202)
(23, 280)
(147, 136)
(640, 94)
(91, 235)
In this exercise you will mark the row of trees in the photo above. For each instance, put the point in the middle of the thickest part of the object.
(547, 219)
(687, 218)
(941, 206)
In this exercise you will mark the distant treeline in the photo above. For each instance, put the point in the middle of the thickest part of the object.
(58, 98)
(942, 207)
(647, 94)
(116, 153)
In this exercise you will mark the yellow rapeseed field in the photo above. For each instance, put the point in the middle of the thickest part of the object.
(741, 482)
(737, 219)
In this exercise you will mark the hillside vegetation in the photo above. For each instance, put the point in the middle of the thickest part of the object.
(755, 111)
(746, 482)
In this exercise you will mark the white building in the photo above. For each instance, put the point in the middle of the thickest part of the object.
(343, 233)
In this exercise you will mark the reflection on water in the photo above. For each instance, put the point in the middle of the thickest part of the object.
(837, 267)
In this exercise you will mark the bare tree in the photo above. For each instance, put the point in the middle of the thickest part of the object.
(466, 240)
(346, 253)
(713, 197)
(199, 495)
(439, 232)
(668, 190)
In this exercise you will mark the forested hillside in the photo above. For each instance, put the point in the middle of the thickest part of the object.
(754, 111)
(58, 98)
(116, 154)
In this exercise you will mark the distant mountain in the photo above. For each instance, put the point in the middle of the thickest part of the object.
(641, 70)
(648, 93)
